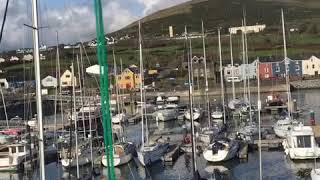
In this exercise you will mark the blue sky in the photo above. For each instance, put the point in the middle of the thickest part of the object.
(74, 19)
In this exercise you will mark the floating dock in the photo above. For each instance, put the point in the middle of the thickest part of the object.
(269, 144)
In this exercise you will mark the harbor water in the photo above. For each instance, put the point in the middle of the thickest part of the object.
(275, 164)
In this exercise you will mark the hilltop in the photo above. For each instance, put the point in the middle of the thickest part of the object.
(226, 13)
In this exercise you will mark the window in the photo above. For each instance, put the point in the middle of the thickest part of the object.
(68, 76)
(307, 66)
(2, 84)
(277, 68)
(119, 78)
(313, 66)
(13, 150)
(266, 70)
(304, 141)
(64, 83)
(128, 77)
(228, 72)
(21, 149)
(297, 68)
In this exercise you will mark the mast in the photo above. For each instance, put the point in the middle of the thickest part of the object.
(38, 86)
(287, 63)
(104, 89)
(194, 164)
(205, 75)
(259, 120)
(75, 118)
(81, 97)
(244, 63)
(116, 80)
(141, 84)
(232, 69)
(221, 78)
(59, 75)
(247, 62)
(4, 106)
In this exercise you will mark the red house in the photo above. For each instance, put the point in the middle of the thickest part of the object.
(265, 70)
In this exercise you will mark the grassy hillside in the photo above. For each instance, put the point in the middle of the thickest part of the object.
(226, 13)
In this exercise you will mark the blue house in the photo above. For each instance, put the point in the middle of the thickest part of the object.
(279, 68)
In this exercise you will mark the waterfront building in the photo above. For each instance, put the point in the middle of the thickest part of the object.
(237, 72)
(129, 79)
(279, 68)
(66, 79)
(2, 60)
(49, 82)
(265, 70)
(249, 71)
(311, 66)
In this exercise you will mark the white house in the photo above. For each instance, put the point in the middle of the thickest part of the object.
(42, 57)
(4, 83)
(49, 81)
(14, 58)
(66, 79)
(248, 29)
(249, 71)
(2, 60)
(311, 66)
(237, 71)
(27, 57)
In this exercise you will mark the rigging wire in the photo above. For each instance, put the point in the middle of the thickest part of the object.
(4, 20)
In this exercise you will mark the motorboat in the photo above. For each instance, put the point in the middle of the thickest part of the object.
(300, 143)
(221, 150)
(197, 114)
(166, 114)
(207, 134)
(238, 104)
(274, 100)
(283, 126)
(13, 156)
(173, 99)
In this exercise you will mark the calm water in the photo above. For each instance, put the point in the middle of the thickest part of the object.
(275, 164)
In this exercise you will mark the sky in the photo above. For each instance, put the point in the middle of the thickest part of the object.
(73, 19)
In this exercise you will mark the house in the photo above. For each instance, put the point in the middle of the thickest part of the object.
(265, 70)
(27, 57)
(129, 78)
(249, 71)
(248, 29)
(66, 79)
(49, 81)
(237, 71)
(4, 83)
(14, 58)
(311, 66)
(198, 66)
(2, 60)
(279, 68)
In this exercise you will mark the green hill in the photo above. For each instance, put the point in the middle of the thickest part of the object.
(226, 13)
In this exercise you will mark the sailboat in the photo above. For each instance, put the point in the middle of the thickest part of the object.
(223, 149)
(283, 126)
(123, 151)
(148, 153)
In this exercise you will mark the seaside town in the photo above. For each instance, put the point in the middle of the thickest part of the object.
(189, 90)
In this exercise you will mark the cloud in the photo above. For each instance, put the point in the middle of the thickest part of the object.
(155, 5)
(75, 22)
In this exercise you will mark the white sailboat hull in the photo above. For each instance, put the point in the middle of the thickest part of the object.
(196, 115)
(149, 155)
(117, 160)
(217, 115)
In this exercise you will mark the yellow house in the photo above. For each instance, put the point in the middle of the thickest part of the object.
(129, 79)
(66, 79)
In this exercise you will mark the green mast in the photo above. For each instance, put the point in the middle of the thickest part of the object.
(104, 87)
